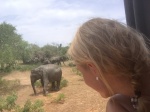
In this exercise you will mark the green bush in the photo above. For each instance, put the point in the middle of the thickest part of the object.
(8, 104)
(27, 106)
(7, 70)
(2, 104)
(19, 67)
(63, 83)
(26, 67)
(37, 106)
(60, 98)
(10, 101)
(49, 95)
(38, 83)
(71, 64)
(33, 107)
(6, 86)
(75, 70)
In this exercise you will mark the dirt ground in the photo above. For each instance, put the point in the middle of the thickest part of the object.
(78, 96)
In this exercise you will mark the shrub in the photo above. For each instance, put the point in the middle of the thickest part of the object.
(8, 104)
(49, 95)
(36, 106)
(63, 83)
(33, 107)
(74, 69)
(10, 101)
(26, 67)
(71, 64)
(27, 106)
(38, 83)
(6, 86)
(60, 98)
(2, 104)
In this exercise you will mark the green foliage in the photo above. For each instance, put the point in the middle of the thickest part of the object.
(60, 98)
(2, 104)
(25, 51)
(8, 104)
(63, 83)
(75, 70)
(38, 83)
(7, 69)
(37, 104)
(33, 107)
(49, 95)
(49, 50)
(63, 50)
(10, 43)
(6, 86)
(54, 50)
(13, 47)
(10, 101)
(26, 67)
(27, 106)
(71, 64)
(30, 52)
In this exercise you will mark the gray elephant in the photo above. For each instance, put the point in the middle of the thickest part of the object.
(46, 61)
(47, 73)
(58, 59)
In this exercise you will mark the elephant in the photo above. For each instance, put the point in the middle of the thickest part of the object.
(47, 73)
(46, 61)
(58, 59)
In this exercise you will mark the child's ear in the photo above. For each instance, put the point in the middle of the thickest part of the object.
(92, 67)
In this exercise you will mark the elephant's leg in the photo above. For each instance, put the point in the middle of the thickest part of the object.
(33, 86)
(58, 85)
(33, 80)
(42, 82)
(53, 86)
(45, 86)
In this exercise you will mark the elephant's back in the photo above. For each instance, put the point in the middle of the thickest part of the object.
(49, 66)
(54, 72)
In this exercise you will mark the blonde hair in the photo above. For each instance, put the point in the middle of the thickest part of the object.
(113, 48)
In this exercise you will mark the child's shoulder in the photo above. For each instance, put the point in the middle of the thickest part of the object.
(120, 103)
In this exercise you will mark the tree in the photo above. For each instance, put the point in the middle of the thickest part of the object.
(49, 50)
(9, 42)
